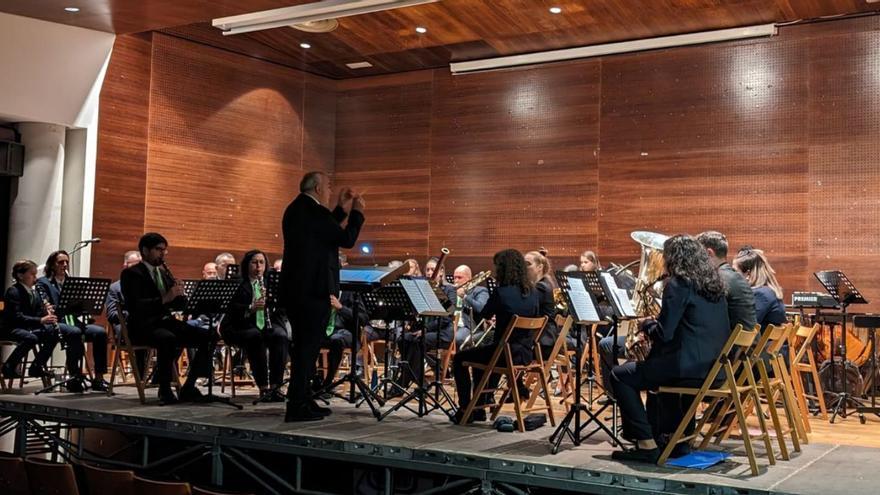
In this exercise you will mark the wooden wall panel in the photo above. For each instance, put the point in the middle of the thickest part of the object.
(120, 179)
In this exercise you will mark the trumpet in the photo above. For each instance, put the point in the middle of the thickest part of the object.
(474, 281)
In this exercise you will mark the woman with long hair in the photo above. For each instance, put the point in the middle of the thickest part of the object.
(515, 296)
(540, 271)
(755, 267)
(687, 336)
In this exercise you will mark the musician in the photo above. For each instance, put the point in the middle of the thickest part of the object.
(430, 266)
(115, 303)
(251, 325)
(740, 301)
(589, 262)
(756, 269)
(540, 272)
(26, 322)
(55, 273)
(312, 237)
(338, 334)
(470, 303)
(687, 336)
(209, 271)
(515, 296)
(221, 261)
(150, 294)
(413, 269)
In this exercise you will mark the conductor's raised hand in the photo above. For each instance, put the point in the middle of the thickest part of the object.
(358, 203)
(345, 198)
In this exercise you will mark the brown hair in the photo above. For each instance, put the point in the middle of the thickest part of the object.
(21, 267)
(546, 267)
(754, 265)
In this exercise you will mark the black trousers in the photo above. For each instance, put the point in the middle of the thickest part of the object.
(256, 343)
(335, 344)
(169, 336)
(309, 319)
(463, 384)
(660, 415)
(410, 347)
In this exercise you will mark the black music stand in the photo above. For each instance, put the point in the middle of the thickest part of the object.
(389, 304)
(189, 286)
(872, 323)
(233, 271)
(581, 289)
(359, 280)
(81, 297)
(420, 296)
(212, 298)
(845, 293)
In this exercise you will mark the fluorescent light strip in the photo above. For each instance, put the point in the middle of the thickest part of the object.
(298, 14)
(612, 48)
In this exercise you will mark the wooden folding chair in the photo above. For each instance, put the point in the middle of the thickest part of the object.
(533, 384)
(734, 356)
(501, 363)
(123, 345)
(800, 347)
(228, 374)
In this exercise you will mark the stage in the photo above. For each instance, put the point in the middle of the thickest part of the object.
(434, 445)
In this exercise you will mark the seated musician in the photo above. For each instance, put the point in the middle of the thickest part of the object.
(150, 294)
(413, 269)
(209, 271)
(221, 261)
(27, 322)
(72, 327)
(468, 303)
(687, 336)
(589, 262)
(340, 330)
(250, 325)
(541, 274)
(740, 301)
(755, 267)
(515, 296)
(115, 302)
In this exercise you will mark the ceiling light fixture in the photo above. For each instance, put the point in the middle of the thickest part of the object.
(555, 10)
(359, 65)
(298, 14)
(421, 30)
(71, 9)
(612, 48)
(305, 45)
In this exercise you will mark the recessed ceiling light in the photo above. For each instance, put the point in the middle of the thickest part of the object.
(421, 30)
(555, 10)
(71, 9)
(359, 65)
(305, 45)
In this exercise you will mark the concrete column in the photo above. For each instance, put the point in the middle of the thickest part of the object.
(35, 216)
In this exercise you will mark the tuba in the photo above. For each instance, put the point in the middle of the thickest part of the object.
(644, 300)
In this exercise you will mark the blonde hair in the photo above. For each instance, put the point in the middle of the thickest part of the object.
(591, 257)
(413, 267)
(753, 264)
(546, 267)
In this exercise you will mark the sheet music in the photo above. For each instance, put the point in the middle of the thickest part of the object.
(620, 296)
(422, 296)
(584, 308)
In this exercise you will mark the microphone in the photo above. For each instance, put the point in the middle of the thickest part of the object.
(93, 240)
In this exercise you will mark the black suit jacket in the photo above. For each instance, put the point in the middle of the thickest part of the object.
(548, 309)
(52, 289)
(691, 332)
(740, 300)
(114, 303)
(239, 316)
(504, 304)
(143, 300)
(20, 311)
(312, 238)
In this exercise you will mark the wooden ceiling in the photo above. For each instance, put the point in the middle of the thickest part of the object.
(457, 29)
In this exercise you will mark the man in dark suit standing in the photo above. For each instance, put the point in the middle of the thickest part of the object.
(312, 237)
(150, 294)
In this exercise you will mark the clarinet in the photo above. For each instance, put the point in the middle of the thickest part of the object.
(48, 307)
(168, 272)
(265, 297)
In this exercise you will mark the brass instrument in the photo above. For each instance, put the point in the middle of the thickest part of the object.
(474, 281)
(560, 301)
(644, 301)
(459, 307)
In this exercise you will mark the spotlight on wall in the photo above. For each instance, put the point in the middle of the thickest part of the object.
(71, 9)
(366, 249)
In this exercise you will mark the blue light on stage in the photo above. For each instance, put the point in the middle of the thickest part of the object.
(366, 249)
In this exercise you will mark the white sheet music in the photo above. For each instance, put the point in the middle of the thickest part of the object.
(584, 308)
(422, 296)
(620, 296)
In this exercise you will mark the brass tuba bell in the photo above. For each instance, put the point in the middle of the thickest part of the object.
(644, 300)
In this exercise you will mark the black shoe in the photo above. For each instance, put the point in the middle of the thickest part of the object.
(99, 385)
(680, 450)
(476, 415)
(637, 455)
(10, 372)
(75, 386)
(190, 394)
(166, 397)
(301, 413)
(36, 372)
(323, 411)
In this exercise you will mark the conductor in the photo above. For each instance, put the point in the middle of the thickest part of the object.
(312, 237)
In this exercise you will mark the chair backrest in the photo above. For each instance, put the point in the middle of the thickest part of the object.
(517, 323)
(805, 336)
(101, 481)
(13, 477)
(50, 478)
(777, 336)
(143, 486)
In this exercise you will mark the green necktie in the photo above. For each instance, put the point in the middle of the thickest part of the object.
(331, 325)
(159, 282)
(261, 313)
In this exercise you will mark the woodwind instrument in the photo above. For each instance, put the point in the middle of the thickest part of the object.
(50, 311)
(263, 296)
(170, 275)
(443, 253)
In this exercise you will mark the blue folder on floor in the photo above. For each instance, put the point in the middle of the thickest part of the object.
(700, 459)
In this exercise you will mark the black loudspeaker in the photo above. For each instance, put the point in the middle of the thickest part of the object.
(11, 159)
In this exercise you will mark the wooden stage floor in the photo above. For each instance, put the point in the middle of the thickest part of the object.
(841, 458)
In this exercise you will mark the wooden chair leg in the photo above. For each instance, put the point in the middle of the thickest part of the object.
(759, 413)
(770, 394)
(475, 396)
(797, 381)
(796, 420)
(546, 386)
(817, 384)
(679, 432)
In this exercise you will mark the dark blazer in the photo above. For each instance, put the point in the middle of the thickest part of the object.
(239, 315)
(143, 300)
(345, 316)
(768, 308)
(52, 289)
(114, 302)
(690, 333)
(443, 324)
(506, 303)
(20, 310)
(312, 238)
(740, 301)
(548, 309)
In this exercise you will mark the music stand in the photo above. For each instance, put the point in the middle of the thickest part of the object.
(389, 304)
(359, 280)
(580, 290)
(420, 296)
(189, 286)
(81, 297)
(845, 293)
(233, 271)
(212, 298)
